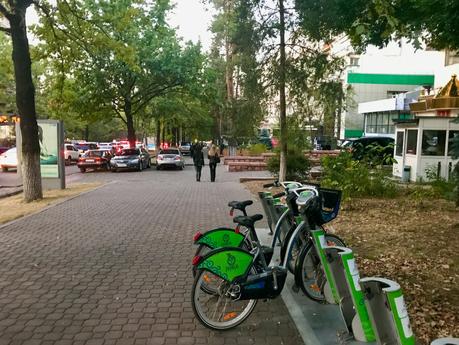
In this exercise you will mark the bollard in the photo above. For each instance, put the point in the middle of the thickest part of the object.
(285, 225)
(271, 208)
(445, 341)
(330, 293)
(352, 305)
(264, 196)
(387, 310)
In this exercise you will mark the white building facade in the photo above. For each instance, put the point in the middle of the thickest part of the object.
(382, 74)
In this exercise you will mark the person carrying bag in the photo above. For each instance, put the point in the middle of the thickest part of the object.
(214, 159)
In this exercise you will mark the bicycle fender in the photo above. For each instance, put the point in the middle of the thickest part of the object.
(221, 237)
(228, 263)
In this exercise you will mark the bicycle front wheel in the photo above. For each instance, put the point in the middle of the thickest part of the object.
(309, 273)
(221, 310)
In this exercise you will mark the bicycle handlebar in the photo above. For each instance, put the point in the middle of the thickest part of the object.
(273, 184)
(278, 195)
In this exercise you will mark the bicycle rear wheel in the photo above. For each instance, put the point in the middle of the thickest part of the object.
(221, 310)
(309, 273)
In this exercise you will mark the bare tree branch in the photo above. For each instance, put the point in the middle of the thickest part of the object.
(6, 30)
(3, 10)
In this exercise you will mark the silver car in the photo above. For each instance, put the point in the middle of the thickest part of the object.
(170, 158)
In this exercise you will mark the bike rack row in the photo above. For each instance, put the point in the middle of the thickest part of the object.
(373, 309)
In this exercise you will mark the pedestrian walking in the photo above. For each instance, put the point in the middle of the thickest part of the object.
(198, 160)
(214, 159)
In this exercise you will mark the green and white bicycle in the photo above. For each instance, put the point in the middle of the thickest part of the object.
(230, 280)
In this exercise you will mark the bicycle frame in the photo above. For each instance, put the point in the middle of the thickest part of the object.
(318, 240)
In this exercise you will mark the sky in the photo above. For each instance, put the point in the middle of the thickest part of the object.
(193, 21)
(190, 17)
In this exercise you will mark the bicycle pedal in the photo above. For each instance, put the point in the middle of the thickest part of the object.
(295, 288)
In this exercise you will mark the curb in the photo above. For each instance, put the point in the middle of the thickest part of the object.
(6, 195)
(248, 179)
(52, 205)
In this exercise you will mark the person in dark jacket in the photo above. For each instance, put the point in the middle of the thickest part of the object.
(214, 158)
(198, 160)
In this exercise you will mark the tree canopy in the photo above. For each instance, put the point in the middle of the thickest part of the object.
(377, 22)
(118, 56)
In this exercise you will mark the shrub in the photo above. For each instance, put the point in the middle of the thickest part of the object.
(442, 188)
(257, 149)
(298, 165)
(355, 178)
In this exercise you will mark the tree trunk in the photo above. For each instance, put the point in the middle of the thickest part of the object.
(25, 101)
(229, 68)
(282, 102)
(129, 122)
(86, 133)
(158, 133)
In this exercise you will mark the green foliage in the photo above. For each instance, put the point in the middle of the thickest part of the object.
(298, 165)
(375, 155)
(377, 22)
(7, 84)
(355, 178)
(257, 149)
(442, 188)
(238, 94)
(111, 59)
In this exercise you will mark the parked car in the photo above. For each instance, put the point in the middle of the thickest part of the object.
(364, 147)
(9, 159)
(94, 159)
(4, 149)
(71, 153)
(325, 142)
(185, 147)
(83, 147)
(131, 159)
(170, 158)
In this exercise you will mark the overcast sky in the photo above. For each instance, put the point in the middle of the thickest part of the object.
(192, 20)
(189, 16)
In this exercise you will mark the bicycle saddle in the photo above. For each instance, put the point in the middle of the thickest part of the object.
(240, 205)
(247, 221)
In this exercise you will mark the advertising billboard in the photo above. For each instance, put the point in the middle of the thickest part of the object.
(48, 135)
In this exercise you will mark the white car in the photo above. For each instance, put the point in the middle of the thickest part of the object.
(9, 160)
(71, 153)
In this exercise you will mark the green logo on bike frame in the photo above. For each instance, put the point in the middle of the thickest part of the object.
(221, 238)
(227, 264)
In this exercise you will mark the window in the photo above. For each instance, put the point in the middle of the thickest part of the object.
(453, 138)
(354, 61)
(392, 94)
(399, 148)
(433, 143)
(379, 123)
(93, 154)
(411, 141)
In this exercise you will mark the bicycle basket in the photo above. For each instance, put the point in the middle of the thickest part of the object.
(331, 200)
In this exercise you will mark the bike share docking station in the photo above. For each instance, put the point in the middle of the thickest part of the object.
(373, 309)
(351, 310)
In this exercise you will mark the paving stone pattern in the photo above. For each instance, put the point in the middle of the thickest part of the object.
(113, 266)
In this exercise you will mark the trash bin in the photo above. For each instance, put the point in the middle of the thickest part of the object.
(406, 173)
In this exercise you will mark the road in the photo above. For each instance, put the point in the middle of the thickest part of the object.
(10, 178)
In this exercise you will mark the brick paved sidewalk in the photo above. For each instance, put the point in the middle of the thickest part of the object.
(113, 267)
